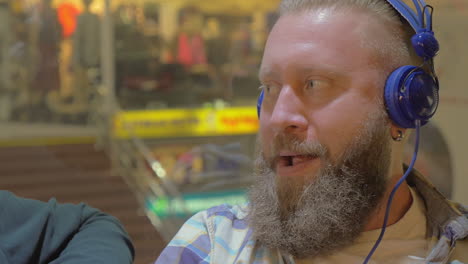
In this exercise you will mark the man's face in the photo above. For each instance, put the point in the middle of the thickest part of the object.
(324, 144)
(320, 83)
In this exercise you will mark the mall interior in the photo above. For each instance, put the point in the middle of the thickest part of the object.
(146, 109)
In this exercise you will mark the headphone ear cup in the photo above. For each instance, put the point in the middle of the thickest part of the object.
(259, 104)
(393, 99)
(410, 95)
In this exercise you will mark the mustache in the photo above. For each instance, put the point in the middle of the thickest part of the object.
(292, 143)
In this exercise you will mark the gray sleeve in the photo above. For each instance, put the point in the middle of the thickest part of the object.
(36, 232)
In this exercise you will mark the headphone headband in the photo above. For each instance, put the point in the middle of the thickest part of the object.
(420, 21)
(424, 42)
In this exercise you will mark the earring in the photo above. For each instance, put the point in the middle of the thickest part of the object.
(399, 137)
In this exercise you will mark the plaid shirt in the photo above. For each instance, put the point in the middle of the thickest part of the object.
(221, 234)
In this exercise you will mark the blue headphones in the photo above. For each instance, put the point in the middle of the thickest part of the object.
(410, 92)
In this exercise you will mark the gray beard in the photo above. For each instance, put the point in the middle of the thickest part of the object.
(319, 214)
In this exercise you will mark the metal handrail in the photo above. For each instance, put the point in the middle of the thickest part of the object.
(165, 188)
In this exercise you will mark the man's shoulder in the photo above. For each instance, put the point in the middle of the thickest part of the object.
(221, 220)
(229, 212)
(215, 234)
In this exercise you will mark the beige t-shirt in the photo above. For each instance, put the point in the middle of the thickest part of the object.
(404, 242)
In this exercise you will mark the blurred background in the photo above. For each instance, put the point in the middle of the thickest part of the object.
(146, 109)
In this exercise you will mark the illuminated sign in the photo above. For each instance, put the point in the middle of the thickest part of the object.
(186, 122)
(190, 204)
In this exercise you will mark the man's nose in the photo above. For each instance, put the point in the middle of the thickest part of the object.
(288, 115)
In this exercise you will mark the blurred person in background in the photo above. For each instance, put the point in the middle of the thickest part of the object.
(330, 147)
(48, 40)
(189, 57)
(37, 232)
(86, 51)
(189, 43)
(68, 15)
(217, 47)
(6, 36)
(243, 62)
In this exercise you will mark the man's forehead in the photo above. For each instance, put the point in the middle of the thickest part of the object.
(331, 22)
(343, 33)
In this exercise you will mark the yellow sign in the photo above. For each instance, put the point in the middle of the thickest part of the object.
(186, 123)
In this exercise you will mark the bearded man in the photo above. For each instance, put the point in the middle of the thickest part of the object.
(330, 151)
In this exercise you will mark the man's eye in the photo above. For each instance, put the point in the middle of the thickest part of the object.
(311, 84)
(267, 88)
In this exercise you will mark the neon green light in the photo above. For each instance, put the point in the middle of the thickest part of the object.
(192, 203)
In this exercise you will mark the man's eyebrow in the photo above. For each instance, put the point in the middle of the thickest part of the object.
(325, 70)
(265, 73)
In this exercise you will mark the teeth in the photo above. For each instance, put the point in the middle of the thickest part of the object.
(300, 158)
(294, 160)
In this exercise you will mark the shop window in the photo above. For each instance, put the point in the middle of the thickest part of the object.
(189, 54)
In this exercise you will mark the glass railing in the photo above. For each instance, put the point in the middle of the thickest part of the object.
(182, 161)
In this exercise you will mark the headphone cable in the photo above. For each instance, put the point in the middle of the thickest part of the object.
(390, 198)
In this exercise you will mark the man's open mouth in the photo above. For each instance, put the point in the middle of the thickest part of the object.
(288, 161)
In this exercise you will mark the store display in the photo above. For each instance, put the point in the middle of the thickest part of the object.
(207, 163)
(193, 54)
